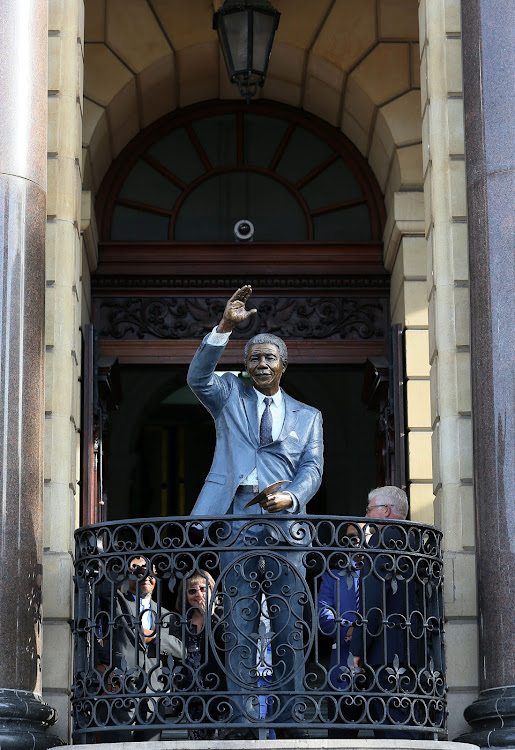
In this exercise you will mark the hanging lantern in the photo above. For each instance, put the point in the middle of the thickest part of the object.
(246, 30)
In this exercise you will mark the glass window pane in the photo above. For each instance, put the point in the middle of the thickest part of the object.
(176, 152)
(303, 153)
(262, 136)
(218, 138)
(145, 185)
(132, 224)
(213, 209)
(346, 225)
(335, 184)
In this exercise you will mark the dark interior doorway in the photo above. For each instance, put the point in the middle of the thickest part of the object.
(162, 441)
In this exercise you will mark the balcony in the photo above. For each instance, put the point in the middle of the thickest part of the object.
(321, 625)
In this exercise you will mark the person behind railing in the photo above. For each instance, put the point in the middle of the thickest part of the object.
(388, 649)
(262, 436)
(137, 639)
(201, 671)
(337, 613)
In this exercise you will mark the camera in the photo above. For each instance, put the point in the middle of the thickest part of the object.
(243, 230)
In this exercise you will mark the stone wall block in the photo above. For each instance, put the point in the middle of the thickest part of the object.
(60, 241)
(57, 671)
(454, 68)
(461, 647)
(447, 384)
(453, 16)
(460, 584)
(448, 458)
(64, 189)
(468, 538)
(422, 26)
(428, 199)
(437, 476)
(419, 449)
(410, 166)
(54, 63)
(55, 15)
(59, 382)
(59, 523)
(431, 312)
(465, 448)
(419, 407)
(421, 502)
(417, 353)
(462, 319)
(414, 256)
(456, 127)
(426, 151)
(61, 329)
(460, 251)
(458, 188)
(433, 387)
(464, 385)
(60, 449)
(415, 300)
(445, 317)
(58, 586)
(451, 516)
(62, 125)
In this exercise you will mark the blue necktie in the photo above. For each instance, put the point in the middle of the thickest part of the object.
(265, 428)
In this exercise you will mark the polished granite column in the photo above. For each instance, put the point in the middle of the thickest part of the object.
(489, 83)
(23, 125)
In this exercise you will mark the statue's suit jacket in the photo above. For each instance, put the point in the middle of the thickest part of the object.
(297, 454)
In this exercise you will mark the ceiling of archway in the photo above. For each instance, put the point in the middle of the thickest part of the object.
(354, 64)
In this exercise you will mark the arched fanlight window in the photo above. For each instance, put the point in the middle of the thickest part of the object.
(193, 177)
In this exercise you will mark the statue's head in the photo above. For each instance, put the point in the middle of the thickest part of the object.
(266, 358)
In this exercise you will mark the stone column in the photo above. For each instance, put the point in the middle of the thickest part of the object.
(23, 128)
(489, 70)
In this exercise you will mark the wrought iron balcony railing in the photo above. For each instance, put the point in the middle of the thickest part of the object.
(282, 622)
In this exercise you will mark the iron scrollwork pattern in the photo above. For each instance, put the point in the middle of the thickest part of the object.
(337, 318)
(261, 657)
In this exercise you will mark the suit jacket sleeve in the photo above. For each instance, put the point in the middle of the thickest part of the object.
(327, 608)
(308, 477)
(211, 390)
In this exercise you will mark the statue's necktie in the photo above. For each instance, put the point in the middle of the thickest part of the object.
(265, 428)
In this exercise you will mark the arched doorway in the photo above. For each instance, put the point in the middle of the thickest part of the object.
(168, 261)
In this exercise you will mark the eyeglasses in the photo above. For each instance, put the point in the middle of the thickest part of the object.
(371, 507)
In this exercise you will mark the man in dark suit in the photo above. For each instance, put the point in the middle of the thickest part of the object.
(137, 640)
(262, 436)
(337, 613)
(390, 642)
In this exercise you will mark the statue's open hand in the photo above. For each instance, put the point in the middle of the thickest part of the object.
(276, 502)
(235, 311)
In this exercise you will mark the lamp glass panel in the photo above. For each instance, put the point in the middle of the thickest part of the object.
(237, 35)
(263, 27)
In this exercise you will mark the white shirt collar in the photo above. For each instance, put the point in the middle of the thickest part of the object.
(277, 398)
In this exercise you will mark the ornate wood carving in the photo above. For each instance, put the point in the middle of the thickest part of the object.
(329, 318)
